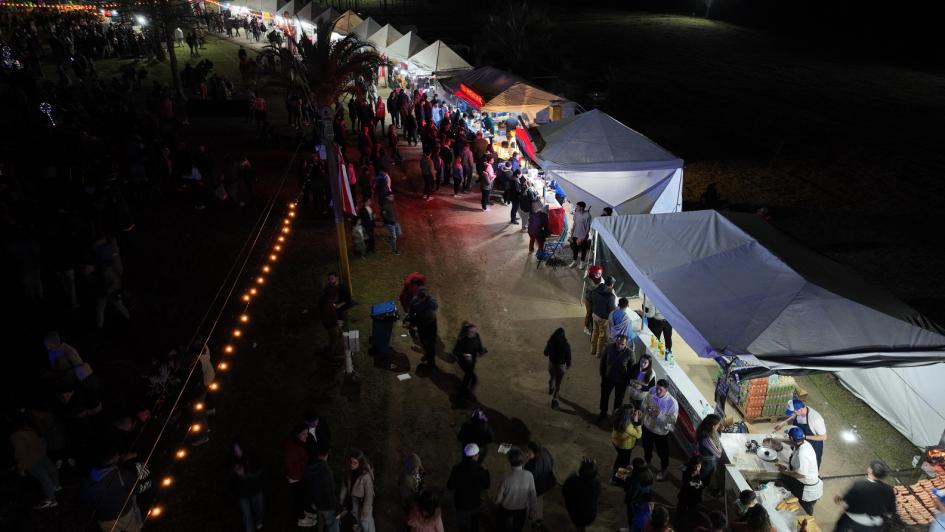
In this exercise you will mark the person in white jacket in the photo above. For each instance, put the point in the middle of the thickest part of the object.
(580, 235)
(660, 411)
(516, 495)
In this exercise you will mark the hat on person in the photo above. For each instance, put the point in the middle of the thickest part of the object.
(796, 434)
(595, 271)
(471, 450)
(793, 406)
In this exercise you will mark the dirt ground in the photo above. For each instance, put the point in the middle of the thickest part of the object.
(838, 150)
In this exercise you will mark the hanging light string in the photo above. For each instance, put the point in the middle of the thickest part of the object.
(167, 481)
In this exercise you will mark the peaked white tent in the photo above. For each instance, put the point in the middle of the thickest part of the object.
(733, 285)
(384, 37)
(598, 160)
(304, 12)
(406, 46)
(347, 22)
(366, 28)
(327, 15)
(440, 60)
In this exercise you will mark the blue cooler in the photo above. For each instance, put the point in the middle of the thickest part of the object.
(383, 316)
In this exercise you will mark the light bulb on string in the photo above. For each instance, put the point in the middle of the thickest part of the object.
(266, 269)
(195, 427)
(252, 291)
(272, 257)
(223, 366)
(286, 221)
(277, 247)
(291, 214)
(181, 454)
(213, 387)
(155, 512)
(228, 349)
(285, 230)
(198, 407)
(166, 482)
(237, 333)
(260, 280)
(246, 297)
(281, 238)
(244, 318)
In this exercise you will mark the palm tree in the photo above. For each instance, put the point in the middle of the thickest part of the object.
(325, 71)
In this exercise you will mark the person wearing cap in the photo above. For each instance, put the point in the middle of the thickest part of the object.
(938, 525)
(802, 476)
(595, 277)
(868, 503)
(467, 481)
(808, 420)
(602, 304)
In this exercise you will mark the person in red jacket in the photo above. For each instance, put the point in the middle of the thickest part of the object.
(380, 112)
(295, 457)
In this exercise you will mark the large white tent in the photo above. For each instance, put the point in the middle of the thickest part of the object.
(304, 12)
(598, 160)
(406, 46)
(327, 15)
(366, 28)
(733, 285)
(440, 60)
(347, 22)
(384, 37)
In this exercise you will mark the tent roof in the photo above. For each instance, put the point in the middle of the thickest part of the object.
(627, 191)
(327, 15)
(406, 46)
(366, 28)
(502, 91)
(304, 12)
(439, 59)
(384, 37)
(268, 6)
(347, 22)
(596, 139)
(731, 284)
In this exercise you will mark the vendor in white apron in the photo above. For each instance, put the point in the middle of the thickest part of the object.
(811, 422)
(802, 477)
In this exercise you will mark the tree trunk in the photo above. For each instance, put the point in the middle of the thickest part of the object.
(171, 54)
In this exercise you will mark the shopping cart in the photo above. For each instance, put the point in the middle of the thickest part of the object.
(553, 245)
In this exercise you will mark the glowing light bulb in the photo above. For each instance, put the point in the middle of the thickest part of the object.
(252, 291)
(260, 280)
(228, 349)
(214, 386)
(285, 230)
(246, 298)
(286, 221)
(156, 512)
(278, 247)
(265, 269)
(166, 482)
(237, 333)
(244, 318)
(181, 454)
(195, 427)
(281, 238)
(198, 407)
(272, 258)
(291, 214)
(223, 366)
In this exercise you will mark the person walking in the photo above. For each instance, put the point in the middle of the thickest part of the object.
(558, 353)
(295, 457)
(366, 215)
(486, 178)
(427, 171)
(458, 175)
(540, 464)
(580, 235)
(467, 350)
(614, 370)
(422, 315)
(602, 304)
(516, 494)
(468, 480)
(29, 458)
(469, 163)
(626, 431)
(246, 481)
(593, 278)
(357, 490)
(869, 503)
(477, 430)
(389, 215)
(581, 493)
(660, 411)
(808, 420)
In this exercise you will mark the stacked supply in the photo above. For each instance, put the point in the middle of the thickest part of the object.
(780, 391)
(915, 503)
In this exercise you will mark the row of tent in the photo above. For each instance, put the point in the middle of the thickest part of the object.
(429, 59)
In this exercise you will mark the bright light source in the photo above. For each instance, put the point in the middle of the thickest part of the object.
(213, 387)
(228, 349)
(252, 291)
(266, 269)
(849, 436)
(237, 333)
(281, 238)
(198, 407)
(244, 318)
(195, 427)
(246, 298)
(285, 230)
(260, 280)
(223, 366)
(272, 257)
(181, 454)
(166, 482)
(141, 20)
(277, 247)
(156, 512)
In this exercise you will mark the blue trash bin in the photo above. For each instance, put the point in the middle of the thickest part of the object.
(383, 316)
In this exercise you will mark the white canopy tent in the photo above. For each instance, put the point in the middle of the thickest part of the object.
(501, 92)
(440, 60)
(268, 6)
(384, 37)
(366, 28)
(304, 12)
(406, 46)
(347, 22)
(598, 160)
(732, 285)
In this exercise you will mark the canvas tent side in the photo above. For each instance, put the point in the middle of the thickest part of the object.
(732, 285)
(347, 22)
(366, 28)
(440, 60)
(327, 15)
(406, 46)
(304, 12)
(604, 163)
(384, 37)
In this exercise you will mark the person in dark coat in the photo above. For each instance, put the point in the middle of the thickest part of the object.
(558, 352)
(537, 230)
(541, 465)
(477, 430)
(321, 490)
(246, 482)
(615, 363)
(468, 480)
(467, 351)
(581, 492)
(422, 315)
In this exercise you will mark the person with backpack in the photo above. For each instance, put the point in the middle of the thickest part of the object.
(467, 350)
(558, 352)
(541, 465)
(615, 364)
(581, 494)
